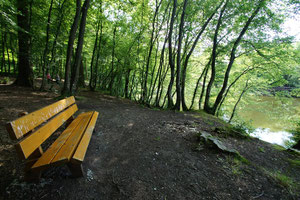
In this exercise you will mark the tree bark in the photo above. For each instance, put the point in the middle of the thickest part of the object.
(178, 75)
(7, 52)
(151, 45)
(78, 56)
(93, 56)
(213, 60)
(45, 59)
(171, 59)
(25, 73)
(66, 88)
(238, 101)
(110, 87)
(3, 52)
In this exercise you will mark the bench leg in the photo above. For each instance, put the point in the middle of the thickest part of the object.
(30, 175)
(76, 169)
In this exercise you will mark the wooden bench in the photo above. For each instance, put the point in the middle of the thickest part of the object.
(70, 146)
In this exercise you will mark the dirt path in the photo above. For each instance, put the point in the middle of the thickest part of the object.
(139, 153)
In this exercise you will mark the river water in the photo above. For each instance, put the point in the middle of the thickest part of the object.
(272, 117)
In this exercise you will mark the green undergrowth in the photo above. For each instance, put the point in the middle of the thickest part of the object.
(237, 163)
(295, 163)
(278, 147)
(285, 181)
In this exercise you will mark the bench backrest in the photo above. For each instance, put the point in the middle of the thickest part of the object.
(58, 113)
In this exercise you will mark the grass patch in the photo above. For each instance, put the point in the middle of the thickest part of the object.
(242, 159)
(284, 180)
(261, 149)
(157, 138)
(278, 147)
(236, 163)
(295, 163)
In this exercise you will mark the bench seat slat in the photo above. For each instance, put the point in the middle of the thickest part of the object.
(69, 147)
(33, 141)
(47, 157)
(25, 124)
(84, 143)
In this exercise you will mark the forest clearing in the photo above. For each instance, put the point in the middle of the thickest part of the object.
(141, 153)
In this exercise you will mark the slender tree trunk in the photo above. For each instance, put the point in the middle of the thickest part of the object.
(152, 85)
(151, 45)
(197, 86)
(25, 73)
(186, 61)
(3, 52)
(232, 57)
(127, 83)
(171, 60)
(238, 101)
(12, 54)
(98, 56)
(60, 18)
(8, 59)
(66, 88)
(213, 60)
(228, 89)
(45, 59)
(93, 56)
(178, 75)
(203, 88)
(78, 56)
(112, 62)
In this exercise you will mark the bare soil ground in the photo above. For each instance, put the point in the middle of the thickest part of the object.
(141, 153)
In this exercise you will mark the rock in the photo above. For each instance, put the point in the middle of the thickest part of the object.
(214, 142)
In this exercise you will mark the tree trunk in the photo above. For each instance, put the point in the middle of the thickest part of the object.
(232, 57)
(186, 61)
(93, 56)
(238, 101)
(203, 87)
(12, 54)
(197, 85)
(8, 59)
(207, 107)
(151, 45)
(25, 73)
(45, 59)
(110, 87)
(66, 88)
(178, 74)
(171, 59)
(78, 56)
(3, 51)
(60, 18)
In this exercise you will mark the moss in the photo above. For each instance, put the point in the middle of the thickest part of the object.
(242, 159)
(283, 180)
(261, 149)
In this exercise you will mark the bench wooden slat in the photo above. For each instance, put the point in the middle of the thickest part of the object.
(25, 124)
(68, 149)
(48, 156)
(33, 141)
(84, 143)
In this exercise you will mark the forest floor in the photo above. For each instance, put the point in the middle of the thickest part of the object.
(142, 153)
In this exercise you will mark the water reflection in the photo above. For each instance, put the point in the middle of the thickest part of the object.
(278, 137)
(271, 117)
